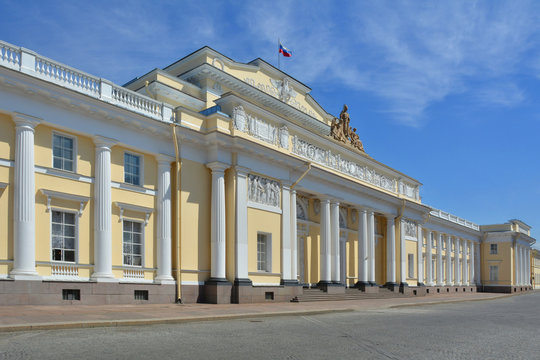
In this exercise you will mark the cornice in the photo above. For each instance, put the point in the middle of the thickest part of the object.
(209, 71)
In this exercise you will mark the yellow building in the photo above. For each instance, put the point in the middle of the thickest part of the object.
(273, 194)
(535, 268)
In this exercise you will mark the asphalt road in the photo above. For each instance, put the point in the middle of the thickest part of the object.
(506, 328)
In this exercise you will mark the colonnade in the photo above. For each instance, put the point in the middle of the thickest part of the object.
(460, 269)
(24, 203)
(522, 265)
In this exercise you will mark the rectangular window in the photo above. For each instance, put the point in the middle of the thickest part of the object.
(63, 236)
(263, 252)
(132, 244)
(493, 249)
(411, 265)
(493, 273)
(132, 169)
(63, 152)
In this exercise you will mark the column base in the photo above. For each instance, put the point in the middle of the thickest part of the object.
(285, 282)
(165, 280)
(30, 275)
(331, 287)
(420, 284)
(103, 277)
(362, 285)
(217, 291)
(373, 283)
(391, 286)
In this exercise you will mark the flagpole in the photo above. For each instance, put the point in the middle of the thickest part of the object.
(278, 57)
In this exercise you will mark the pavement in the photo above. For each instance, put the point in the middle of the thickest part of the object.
(26, 317)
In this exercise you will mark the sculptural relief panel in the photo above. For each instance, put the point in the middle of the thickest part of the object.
(410, 228)
(264, 191)
(260, 129)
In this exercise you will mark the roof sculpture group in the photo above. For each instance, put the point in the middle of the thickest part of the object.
(341, 130)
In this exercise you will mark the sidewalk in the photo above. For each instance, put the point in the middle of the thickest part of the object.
(26, 317)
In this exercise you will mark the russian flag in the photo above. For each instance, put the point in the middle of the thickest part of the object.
(283, 50)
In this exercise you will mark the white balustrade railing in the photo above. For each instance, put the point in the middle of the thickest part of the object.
(67, 76)
(133, 274)
(65, 270)
(33, 64)
(455, 219)
(137, 102)
(10, 56)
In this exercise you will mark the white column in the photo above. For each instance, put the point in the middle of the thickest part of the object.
(217, 221)
(465, 279)
(528, 267)
(477, 263)
(326, 274)
(471, 264)
(428, 259)
(286, 274)
(403, 255)
(363, 254)
(457, 277)
(390, 250)
(294, 238)
(334, 225)
(371, 237)
(241, 224)
(164, 216)
(24, 200)
(102, 211)
(516, 262)
(419, 258)
(522, 262)
(449, 281)
(440, 280)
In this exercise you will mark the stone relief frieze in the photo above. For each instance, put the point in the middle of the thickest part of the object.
(264, 191)
(334, 161)
(410, 228)
(260, 129)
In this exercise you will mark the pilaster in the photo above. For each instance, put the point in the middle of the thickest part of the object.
(402, 256)
(390, 252)
(440, 281)
(241, 227)
(419, 257)
(363, 279)
(371, 237)
(429, 255)
(334, 224)
(449, 272)
(326, 275)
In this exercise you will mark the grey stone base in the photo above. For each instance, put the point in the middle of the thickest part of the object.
(260, 294)
(505, 288)
(331, 287)
(22, 292)
(217, 291)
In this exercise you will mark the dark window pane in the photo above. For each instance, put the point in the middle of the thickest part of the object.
(70, 218)
(68, 165)
(136, 238)
(56, 229)
(137, 249)
(69, 255)
(127, 248)
(127, 225)
(68, 143)
(137, 260)
(57, 152)
(57, 140)
(127, 259)
(69, 230)
(57, 242)
(69, 243)
(137, 227)
(57, 254)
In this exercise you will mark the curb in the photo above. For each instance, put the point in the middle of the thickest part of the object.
(118, 323)
(450, 301)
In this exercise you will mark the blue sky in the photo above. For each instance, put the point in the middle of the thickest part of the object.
(446, 92)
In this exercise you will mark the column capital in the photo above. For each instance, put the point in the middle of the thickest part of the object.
(163, 159)
(217, 166)
(324, 199)
(241, 170)
(24, 120)
(104, 142)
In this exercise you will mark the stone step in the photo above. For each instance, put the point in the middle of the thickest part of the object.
(311, 295)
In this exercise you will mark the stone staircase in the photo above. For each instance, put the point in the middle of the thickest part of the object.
(314, 294)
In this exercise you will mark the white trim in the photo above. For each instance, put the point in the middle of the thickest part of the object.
(192, 282)
(141, 209)
(267, 284)
(50, 194)
(254, 205)
(65, 278)
(63, 174)
(134, 188)
(74, 150)
(141, 167)
(6, 163)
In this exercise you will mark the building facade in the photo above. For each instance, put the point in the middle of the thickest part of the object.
(216, 181)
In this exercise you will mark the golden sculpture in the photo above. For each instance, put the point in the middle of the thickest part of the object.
(340, 130)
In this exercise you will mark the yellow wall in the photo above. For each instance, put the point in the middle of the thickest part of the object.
(270, 223)
(504, 259)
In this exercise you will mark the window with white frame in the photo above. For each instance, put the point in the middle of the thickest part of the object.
(493, 273)
(132, 169)
(63, 228)
(63, 152)
(132, 243)
(411, 266)
(264, 249)
(493, 249)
